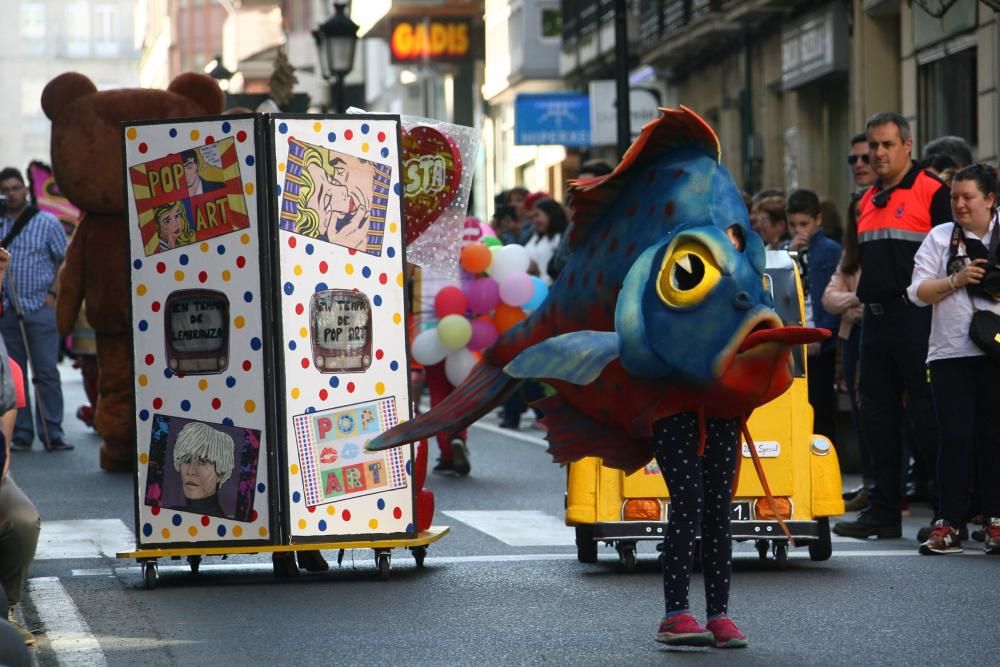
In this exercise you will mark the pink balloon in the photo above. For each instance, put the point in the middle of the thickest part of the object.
(483, 295)
(516, 288)
(450, 301)
(484, 334)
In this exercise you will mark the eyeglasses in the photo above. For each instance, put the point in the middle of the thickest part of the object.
(853, 159)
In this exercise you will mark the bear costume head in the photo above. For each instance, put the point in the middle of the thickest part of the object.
(86, 130)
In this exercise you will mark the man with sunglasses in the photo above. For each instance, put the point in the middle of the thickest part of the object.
(895, 214)
(861, 169)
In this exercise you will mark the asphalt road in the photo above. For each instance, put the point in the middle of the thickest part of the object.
(479, 598)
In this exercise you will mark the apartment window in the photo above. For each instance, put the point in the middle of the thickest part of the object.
(32, 28)
(106, 30)
(78, 30)
(948, 97)
(551, 23)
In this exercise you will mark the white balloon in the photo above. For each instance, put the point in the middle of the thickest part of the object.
(457, 365)
(427, 348)
(495, 252)
(511, 259)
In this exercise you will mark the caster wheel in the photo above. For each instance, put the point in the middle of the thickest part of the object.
(419, 554)
(195, 563)
(384, 565)
(762, 549)
(781, 554)
(149, 575)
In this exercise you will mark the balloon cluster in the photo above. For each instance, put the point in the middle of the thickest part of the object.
(496, 294)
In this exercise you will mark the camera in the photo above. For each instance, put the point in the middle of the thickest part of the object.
(990, 284)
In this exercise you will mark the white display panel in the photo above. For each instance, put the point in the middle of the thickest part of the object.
(198, 329)
(340, 285)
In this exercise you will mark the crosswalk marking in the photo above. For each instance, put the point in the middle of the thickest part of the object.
(68, 634)
(83, 538)
(527, 528)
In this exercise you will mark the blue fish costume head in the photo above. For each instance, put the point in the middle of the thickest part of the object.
(661, 308)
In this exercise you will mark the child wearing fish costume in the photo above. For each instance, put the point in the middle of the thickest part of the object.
(659, 338)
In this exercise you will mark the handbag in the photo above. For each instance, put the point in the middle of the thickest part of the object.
(984, 329)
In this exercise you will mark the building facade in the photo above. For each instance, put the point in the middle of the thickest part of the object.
(44, 38)
(785, 83)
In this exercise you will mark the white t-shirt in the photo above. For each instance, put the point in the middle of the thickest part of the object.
(952, 314)
(540, 249)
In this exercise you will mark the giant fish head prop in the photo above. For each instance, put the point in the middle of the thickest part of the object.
(661, 308)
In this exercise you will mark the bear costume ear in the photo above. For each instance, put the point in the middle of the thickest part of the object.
(202, 89)
(63, 90)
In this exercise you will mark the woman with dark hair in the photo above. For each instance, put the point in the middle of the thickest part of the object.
(948, 273)
(840, 298)
(550, 222)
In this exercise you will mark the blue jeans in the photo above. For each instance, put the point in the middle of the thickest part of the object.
(893, 366)
(43, 339)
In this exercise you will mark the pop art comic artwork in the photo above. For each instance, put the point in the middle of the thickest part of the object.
(335, 197)
(203, 468)
(190, 196)
(332, 456)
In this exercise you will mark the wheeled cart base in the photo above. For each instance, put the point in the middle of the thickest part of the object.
(383, 553)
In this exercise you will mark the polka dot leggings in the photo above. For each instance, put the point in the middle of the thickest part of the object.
(700, 493)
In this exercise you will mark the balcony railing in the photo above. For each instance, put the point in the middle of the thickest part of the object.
(583, 17)
(662, 18)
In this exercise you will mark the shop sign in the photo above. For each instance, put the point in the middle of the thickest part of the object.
(561, 118)
(430, 40)
(814, 46)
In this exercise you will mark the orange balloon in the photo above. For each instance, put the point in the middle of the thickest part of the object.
(476, 257)
(506, 316)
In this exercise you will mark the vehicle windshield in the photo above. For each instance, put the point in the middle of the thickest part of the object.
(786, 303)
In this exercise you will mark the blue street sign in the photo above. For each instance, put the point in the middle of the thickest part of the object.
(552, 118)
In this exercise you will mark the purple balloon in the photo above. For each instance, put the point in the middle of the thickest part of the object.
(484, 333)
(483, 295)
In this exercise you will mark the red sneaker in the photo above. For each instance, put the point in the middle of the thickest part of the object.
(683, 630)
(992, 531)
(726, 634)
(943, 540)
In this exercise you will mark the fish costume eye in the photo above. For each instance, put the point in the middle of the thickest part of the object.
(688, 274)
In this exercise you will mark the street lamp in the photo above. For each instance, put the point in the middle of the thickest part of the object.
(218, 71)
(336, 39)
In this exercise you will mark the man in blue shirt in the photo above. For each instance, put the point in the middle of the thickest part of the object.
(817, 257)
(37, 252)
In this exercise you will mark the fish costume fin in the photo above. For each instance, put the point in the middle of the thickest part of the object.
(577, 357)
(485, 387)
(676, 129)
(573, 435)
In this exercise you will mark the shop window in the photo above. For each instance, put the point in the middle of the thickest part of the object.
(948, 98)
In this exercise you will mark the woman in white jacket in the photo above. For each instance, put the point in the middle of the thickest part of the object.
(948, 271)
(550, 222)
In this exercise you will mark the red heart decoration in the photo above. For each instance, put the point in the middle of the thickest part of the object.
(432, 172)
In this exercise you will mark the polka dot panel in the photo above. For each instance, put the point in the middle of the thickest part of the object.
(218, 397)
(308, 267)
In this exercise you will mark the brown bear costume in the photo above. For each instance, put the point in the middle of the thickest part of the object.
(87, 161)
